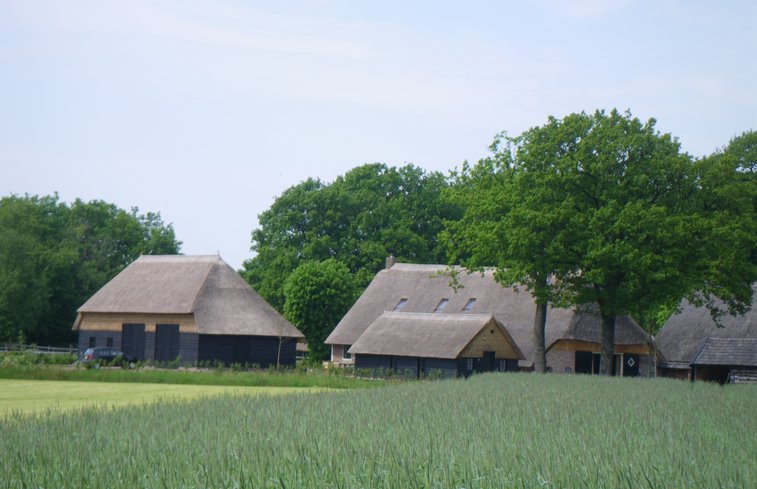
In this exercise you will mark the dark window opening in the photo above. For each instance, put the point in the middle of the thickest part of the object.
(400, 304)
(469, 304)
(346, 354)
(442, 304)
(109, 341)
(92, 341)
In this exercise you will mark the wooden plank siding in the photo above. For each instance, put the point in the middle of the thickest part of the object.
(382, 365)
(262, 351)
(114, 322)
(187, 350)
(575, 345)
(490, 338)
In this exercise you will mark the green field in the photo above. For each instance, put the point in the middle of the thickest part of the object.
(491, 431)
(332, 379)
(31, 396)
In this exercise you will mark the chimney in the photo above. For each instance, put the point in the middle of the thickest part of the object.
(389, 261)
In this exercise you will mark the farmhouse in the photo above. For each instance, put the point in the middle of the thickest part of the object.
(693, 347)
(419, 344)
(573, 339)
(190, 308)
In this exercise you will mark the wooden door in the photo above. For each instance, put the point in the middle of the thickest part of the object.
(133, 340)
(166, 342)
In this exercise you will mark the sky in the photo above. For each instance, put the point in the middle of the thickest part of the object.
(206, 111)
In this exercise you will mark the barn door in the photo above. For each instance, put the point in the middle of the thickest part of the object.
(166, 342)
(489, 361)
(133, 340)
(630, 365)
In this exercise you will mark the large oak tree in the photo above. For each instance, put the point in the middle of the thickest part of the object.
(620, 218)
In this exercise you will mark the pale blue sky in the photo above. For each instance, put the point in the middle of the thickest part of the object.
(207, 110)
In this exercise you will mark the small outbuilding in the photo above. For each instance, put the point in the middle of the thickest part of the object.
(693, 347)
(190, 309)
(426, 344)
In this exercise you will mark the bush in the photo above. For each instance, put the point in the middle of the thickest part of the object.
(18, 359)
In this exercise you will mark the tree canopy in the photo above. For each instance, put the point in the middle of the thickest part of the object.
(318, 294)
(53, 256)
(365, 215)
(615, 213)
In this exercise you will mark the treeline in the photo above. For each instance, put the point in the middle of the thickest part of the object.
(54, 256)
(593, 209)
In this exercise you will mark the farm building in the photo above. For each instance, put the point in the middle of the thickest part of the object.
(190, 308)
(419, 344)
(573, 340)
(693, 347)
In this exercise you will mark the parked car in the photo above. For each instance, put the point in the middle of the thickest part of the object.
(103, 354)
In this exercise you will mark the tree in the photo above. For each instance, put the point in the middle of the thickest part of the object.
(53, 257)
(613, 211)
(365, 215)
(507, 225)
(317, 295)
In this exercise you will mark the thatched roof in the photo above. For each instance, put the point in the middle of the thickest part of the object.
(588, 327)
(424, 288)
(425, 335)
(684, 333)
(206, 286)
(740, 352)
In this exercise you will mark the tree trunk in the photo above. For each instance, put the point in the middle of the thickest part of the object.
(540, 326)
(607, 359)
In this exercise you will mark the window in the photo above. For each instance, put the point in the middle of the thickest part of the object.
(345, 354)
(469, 364)
(109, 341)
(400, 304)
(469, 304)
(92, 341)
(442, 304)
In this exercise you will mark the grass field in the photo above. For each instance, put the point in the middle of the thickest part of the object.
(334, 379)
(491, 431)
(32, 396)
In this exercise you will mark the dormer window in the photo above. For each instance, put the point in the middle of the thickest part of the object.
(442, 304)
(400, 304)
(469, 304)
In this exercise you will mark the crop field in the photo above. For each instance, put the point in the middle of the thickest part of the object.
(491, 431)
(31, 396)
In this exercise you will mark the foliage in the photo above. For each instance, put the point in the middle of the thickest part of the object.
(492, 232)
(19, 359)
(493, 430)
(365, 215)
(615, 212)
(53, 256)
(728, 201)
(317, 295)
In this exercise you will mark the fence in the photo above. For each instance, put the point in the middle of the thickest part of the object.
(42, 350)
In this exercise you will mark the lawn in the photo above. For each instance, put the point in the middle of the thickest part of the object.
(491, 431)
(31, 396)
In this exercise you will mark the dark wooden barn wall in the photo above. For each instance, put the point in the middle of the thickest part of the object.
(406, 366)
(188, 343)
(437, 366)
(101, 339)
(249, 350)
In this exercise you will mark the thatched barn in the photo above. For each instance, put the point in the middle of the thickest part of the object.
(193, 309)
(424, 344)
(573, 340)
(693, 347)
